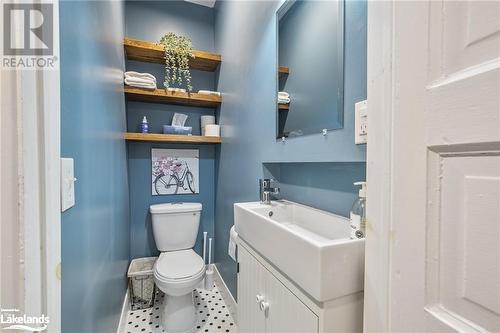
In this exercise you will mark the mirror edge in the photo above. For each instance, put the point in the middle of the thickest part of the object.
(280, 12)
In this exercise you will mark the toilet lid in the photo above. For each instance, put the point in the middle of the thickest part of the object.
(179, 264)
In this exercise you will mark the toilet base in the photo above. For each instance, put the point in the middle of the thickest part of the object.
(178, 314)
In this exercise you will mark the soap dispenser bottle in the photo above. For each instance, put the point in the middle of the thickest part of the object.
(358, 213)
(144, 125)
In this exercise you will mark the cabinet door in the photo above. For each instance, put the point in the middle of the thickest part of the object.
(251, 283)
(286, 313)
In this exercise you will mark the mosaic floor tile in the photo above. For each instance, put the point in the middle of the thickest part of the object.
(213, 315)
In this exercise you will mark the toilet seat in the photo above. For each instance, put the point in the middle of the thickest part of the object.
(179, 266)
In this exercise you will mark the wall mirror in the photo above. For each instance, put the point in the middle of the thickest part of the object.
(310, 67)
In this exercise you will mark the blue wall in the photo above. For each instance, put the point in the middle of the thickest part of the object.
(95, 232)
(149, 20)
(245, 35)
(139, 165)
(327, 186)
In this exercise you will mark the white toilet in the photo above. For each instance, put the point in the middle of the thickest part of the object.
(179, 269)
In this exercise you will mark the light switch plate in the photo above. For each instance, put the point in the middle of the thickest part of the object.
(67, 184)
(360, 122)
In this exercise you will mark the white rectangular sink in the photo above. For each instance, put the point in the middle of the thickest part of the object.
(310, 246)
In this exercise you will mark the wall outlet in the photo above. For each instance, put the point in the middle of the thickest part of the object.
(67, 184)
(360, 122)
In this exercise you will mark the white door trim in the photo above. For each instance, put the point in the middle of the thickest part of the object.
(52, 151)
(379, 165)
(38, 109)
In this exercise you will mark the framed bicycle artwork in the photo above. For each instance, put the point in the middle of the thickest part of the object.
(174, 171)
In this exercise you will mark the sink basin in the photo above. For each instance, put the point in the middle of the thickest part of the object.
(310, 246)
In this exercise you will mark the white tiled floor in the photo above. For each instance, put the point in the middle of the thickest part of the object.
(213, 315)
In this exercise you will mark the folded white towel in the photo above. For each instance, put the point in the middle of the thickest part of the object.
(283, 100)
(132, 74)
(209, 92)
(176, 89)
(283, 94)
(139, 80)
(143, 86)
(133, 83)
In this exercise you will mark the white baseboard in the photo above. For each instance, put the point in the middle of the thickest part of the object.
(123, 316)
(226, 294)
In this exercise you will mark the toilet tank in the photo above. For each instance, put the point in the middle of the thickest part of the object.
(175, 225)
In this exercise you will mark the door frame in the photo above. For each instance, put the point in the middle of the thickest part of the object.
(38, 114)
(396, 158)
(379, 163)
(397, 50)
(51, 238)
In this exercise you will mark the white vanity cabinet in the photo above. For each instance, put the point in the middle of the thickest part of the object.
(265, 304)
(270, 303)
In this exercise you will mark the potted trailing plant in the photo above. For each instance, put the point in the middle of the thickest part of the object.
(178, 51)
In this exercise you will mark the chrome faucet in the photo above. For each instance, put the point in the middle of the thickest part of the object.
(266, 191)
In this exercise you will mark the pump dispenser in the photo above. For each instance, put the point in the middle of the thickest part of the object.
(144, 125)
(358, 213)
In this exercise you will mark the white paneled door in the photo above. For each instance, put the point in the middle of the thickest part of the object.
(433, 240)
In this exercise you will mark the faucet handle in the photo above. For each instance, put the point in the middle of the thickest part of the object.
(265, 183)
(266, 191)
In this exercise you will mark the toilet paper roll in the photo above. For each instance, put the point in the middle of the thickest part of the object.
(207, 120)
(231, 248)
(212, 130)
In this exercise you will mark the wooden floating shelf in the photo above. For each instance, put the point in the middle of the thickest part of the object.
(150, 137)
(283, 106)
(140, 50)
(282, 70)
(172, 97)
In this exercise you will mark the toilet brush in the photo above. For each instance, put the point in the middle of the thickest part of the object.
(209, 251)
(202, 283)
(209, 277)
(204, 247)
